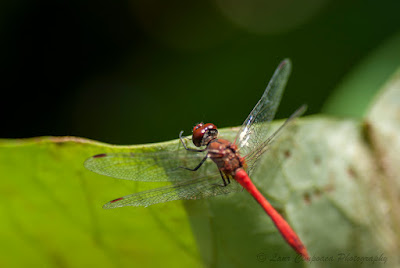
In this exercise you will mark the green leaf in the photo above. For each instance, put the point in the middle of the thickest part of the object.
(334, 180)
(51, 211)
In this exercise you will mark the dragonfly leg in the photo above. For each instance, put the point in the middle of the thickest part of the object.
(187, 148)
(198, 166)
(224, 179)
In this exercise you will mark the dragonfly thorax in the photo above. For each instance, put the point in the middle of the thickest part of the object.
(225, 155)
(203, 134)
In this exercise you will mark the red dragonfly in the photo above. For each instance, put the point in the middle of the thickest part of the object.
(252, 140)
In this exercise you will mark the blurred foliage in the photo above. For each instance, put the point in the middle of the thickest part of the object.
(354, 94)
(132, 72)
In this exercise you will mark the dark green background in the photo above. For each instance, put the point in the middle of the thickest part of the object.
(130, 72)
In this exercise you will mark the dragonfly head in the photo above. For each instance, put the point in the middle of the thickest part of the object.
(203, 134)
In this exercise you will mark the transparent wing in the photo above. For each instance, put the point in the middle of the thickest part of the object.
(254, 156)
(192, 189)
(155, 166)
(254, 130)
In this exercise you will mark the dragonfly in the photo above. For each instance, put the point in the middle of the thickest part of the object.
(186, 168)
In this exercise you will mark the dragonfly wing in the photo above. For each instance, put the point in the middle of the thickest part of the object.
(153, 166)
(254, 130)
(192, 189)
(254, 155)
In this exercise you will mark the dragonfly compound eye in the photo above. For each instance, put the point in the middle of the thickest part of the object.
(203, 134)
(197, 126)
